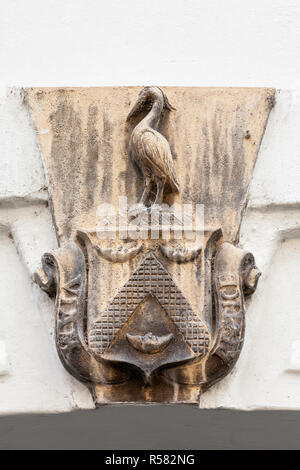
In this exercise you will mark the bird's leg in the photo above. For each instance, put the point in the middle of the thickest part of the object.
(160, 185)
(146, 190)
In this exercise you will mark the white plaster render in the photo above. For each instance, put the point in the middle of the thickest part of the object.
(138, 42)
(294, 359)
(4, 362)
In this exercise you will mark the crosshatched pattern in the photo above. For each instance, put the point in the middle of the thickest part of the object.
(149, 278)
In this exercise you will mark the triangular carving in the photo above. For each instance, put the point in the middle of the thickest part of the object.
(149, 278)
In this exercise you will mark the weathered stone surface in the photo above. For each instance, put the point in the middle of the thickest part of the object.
(123, 324)
(214, 135)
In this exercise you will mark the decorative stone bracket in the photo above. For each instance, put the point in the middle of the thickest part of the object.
(156, 318)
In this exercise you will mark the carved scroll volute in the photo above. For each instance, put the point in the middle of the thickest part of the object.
(234, 276)
(64, 275)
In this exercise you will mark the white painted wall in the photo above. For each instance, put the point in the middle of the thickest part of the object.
(167, 42)
(170, 42)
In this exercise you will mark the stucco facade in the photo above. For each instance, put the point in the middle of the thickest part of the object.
(195, 43)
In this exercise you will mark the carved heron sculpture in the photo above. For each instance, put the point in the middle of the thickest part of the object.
(149, 149)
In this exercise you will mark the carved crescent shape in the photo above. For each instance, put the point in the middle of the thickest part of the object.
(179, 254)
(149, 343)
(120, 254)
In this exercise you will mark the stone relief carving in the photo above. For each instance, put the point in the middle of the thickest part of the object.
(149, 149)
(156, 318)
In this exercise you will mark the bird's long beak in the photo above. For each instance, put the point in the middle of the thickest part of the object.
(137, 108)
